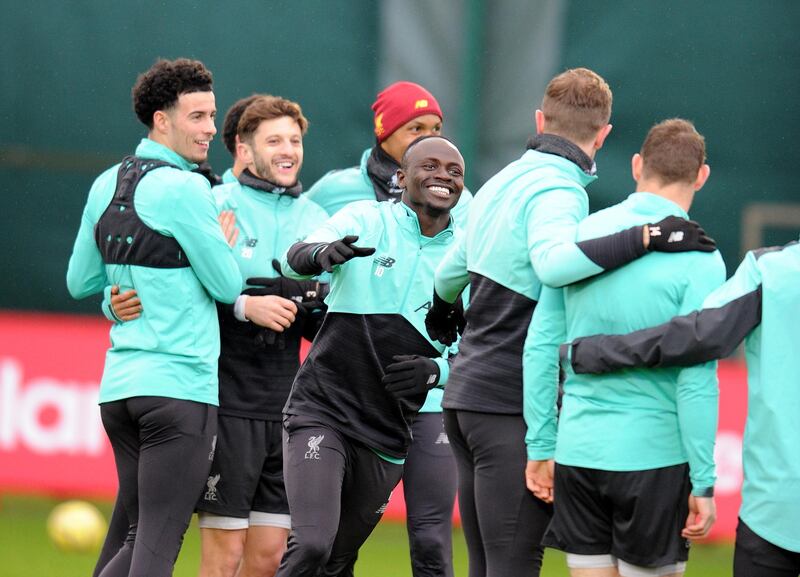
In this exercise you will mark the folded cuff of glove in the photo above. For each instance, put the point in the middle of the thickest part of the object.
(239, 307)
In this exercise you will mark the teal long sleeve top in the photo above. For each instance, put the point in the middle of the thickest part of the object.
(172, 349)
(640, 418)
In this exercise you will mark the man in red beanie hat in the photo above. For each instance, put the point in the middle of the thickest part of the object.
(404, 111)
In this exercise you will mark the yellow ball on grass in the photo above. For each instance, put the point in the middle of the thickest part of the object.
(76, 526)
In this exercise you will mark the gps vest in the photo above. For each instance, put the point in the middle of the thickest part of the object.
(121, 235)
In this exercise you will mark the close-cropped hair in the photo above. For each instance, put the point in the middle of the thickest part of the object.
(576, 104)
(673, 151)
(160, 87)
(416, 141)
(231, 123)
(268, 107)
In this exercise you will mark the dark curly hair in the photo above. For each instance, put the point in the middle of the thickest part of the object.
(160, 87)
(232, 121)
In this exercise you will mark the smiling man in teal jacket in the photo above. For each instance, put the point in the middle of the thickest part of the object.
(151, 224)
(404, 111)
(349, 415)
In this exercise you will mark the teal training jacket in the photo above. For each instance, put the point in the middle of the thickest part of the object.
(376, 309)
(339, 188)
(637, 419)
(172, 349)
(761, 304)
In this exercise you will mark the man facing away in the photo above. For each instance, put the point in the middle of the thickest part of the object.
(759, 304)
(634, 450)
(520, 234)
(150, 223)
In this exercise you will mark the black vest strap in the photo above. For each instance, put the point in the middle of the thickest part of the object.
(121, 235)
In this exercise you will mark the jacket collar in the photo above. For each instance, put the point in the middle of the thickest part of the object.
(151, 149)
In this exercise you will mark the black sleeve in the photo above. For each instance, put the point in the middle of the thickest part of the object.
(687, 340)
(301, 257)
(613, 251)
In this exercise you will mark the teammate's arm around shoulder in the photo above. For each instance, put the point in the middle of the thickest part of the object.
(728, 315)
(193, 220)
(551, 220)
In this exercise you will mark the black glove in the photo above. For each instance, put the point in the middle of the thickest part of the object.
(339, 252)
(307, 295)
(445, 321)
(410, 375)
(676, 234)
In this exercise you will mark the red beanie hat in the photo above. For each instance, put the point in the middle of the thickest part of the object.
(400, 102)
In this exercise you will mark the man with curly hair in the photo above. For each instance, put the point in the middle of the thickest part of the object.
(150, 224)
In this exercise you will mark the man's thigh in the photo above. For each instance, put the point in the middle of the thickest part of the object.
(368, 484)
(636, 516)
(234, 477)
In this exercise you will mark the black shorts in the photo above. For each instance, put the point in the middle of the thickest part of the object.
(636, 516)
(756, 557)
(247, 472)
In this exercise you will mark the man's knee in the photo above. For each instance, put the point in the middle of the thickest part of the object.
(261, 563)
(221, 552)
(430, 545)
(309, 552)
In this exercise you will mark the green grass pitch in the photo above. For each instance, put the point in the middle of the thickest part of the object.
(25, 549)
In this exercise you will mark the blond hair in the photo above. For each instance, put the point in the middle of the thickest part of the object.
(577, 104)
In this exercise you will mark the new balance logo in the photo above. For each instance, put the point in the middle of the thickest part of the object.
(382, 509)
(431, 379)
(383, 263)
(313, 447)
(442, 439)
(211, 491)
(675, 236)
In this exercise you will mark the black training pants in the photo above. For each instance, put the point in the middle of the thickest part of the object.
(337, 490)
(503, 522)
(163, 449)
(429, 488)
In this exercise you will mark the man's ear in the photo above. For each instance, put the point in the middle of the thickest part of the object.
(244, 152)
(702, 176)
(161, 121)
(401, 178)
(538, 117)
(601, 136)
(636, 166)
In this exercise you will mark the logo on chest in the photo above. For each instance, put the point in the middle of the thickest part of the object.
(383, 263)
(248, 245)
